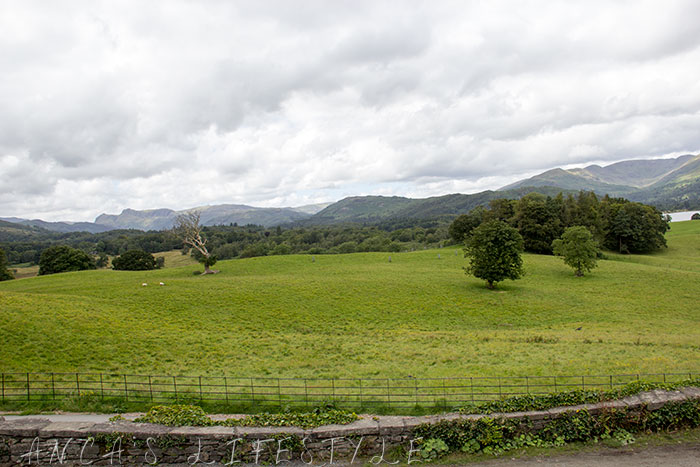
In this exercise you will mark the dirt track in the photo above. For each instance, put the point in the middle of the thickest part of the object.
(674, 455)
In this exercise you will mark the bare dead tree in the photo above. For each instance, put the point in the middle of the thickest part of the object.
(188, 228)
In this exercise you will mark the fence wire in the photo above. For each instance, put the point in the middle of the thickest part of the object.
(350, 393)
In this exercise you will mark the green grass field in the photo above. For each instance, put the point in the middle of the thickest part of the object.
(360, 315)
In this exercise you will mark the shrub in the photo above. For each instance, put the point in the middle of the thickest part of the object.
(134, 260)
(433, 448)
(176, 415)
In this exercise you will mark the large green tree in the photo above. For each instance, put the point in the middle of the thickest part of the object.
(578, 249)
(634, 227)
(5, 273)
(538, 219)
(62, 258)
(463, 225)
(494, 251)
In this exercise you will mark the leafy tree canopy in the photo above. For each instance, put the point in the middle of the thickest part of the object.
(62, 258)
(494, 250)
(134, 260)
(463, 225)
(5, 273)
(578, 249)
(634, 227)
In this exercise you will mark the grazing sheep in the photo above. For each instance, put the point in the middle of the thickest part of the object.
(162, 283)
(144, 284)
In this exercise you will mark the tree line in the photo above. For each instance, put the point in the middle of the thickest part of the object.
(615, 223)
(233, 241)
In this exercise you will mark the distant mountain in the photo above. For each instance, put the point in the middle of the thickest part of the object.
(665, 183)
(221, 214)
(669, 184)
(58, 226)
(376, 209)
(311, 209)
(159, 219)
(677, 190)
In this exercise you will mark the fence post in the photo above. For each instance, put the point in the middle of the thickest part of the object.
(279, 393)
(333, 389)
(471, 386)
(444, 394)
(252, 392)
(611, 383)
(175, 388)
(77, 383)
(126, 390)
(306, 392)
(200, 388)
(388, 394)
(527, 384)
(583, 383)
(27, 386)
(150, 387)
(415, 380)
(361, 401)
(3, 388)
(555, 384)
(53, 387)
(102, 388)
(226, 388)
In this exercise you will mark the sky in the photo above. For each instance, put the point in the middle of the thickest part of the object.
(106, 105)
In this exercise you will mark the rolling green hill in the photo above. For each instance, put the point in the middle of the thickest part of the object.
(359, 315)
(10, 231)
(376, 209)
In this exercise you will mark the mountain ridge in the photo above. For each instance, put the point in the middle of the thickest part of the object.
(665, 183)
(669, 184)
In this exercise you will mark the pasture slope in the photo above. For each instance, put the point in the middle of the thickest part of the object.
(359, 315)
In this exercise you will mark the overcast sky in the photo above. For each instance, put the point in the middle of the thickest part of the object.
(147, 104)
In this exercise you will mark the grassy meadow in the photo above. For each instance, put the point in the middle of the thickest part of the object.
(359, 315)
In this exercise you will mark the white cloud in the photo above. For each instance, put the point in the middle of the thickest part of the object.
(108, 105)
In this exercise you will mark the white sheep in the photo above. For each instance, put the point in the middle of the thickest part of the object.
(144, 284)
(162, 283)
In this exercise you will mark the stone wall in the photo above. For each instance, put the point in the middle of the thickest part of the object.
(37, 441)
